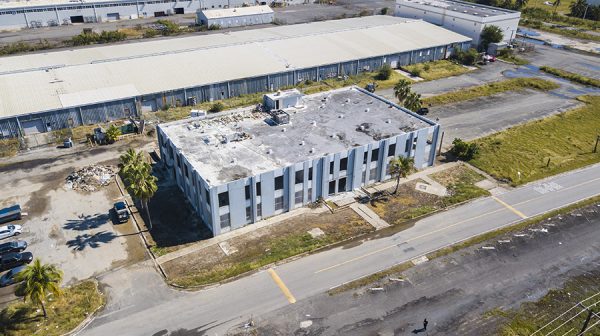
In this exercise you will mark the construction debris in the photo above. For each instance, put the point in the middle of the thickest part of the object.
(90, 178)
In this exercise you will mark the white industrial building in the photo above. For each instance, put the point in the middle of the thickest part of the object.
(18, 14)
(238, 167)
(462, 17)
(58, 89)
(235, 17)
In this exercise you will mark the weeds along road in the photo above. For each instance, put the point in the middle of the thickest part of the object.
(215, 311)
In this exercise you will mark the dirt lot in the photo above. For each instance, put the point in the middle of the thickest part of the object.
(70, 228)
(264, 246)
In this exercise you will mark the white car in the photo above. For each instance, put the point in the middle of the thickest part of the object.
(10, 230)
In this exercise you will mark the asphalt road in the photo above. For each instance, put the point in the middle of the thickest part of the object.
(454, 292)
(217, 310)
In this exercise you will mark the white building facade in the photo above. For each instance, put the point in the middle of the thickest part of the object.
(235, 17)
(465, 18)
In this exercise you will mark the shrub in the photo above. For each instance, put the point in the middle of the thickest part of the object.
(385, 11)
(415, 72)
(426, 67)
(217, 107)
(490, 34)
(463, 150)
(468, 57)
(385, 72)
(151, 32)
(214, 27)
(113, 133)
(168, 27)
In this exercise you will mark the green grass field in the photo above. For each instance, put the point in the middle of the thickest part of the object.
(514, 84)
(567, 140)
(437, 69)
(573, 77)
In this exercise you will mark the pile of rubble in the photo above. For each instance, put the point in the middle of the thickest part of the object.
(90, 178)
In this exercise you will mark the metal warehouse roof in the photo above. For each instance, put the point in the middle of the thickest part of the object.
(469, 8)
(13, 4)
(235, 12)
(39, 82)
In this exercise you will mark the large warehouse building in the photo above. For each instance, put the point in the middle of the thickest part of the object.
(18, 14)
(235, 17)
(466, 18)
(239, 167)
(42, 92)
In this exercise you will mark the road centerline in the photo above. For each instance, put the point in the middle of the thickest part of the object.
(510, 207)
(286, 292)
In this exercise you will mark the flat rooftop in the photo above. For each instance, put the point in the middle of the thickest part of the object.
(469, 8)
(325, 123)
(78, 77)
(236, 12)
(13, 4)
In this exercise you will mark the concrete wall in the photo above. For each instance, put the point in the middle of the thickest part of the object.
(278, 191)
(461, 23)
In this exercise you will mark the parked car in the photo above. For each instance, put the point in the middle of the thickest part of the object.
(10, 214)
(15, 259)
(14, 246)
(121, 212)
(8, 278)
(10, 230)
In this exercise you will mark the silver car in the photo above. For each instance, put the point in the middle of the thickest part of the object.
(10, 230)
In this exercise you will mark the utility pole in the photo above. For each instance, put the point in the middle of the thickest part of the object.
(587, 321)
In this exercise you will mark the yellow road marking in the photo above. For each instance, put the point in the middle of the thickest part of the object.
(455, 224)
(509, 207)
(282, 286)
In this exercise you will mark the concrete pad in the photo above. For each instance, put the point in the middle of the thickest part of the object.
(431, 189)
(227, 249)
(305, 324)
(419, 260)
(486, 184)
(316, 232)
(498, 191)
(369, 215)
(344, 201)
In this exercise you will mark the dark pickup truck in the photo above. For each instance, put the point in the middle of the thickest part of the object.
(10, 214)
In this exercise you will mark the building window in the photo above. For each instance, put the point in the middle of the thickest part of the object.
(309, 194)
(248, 213)
(279, 183)
(392, 150)
(257, 188)
(185, 169)
(225, 221)
(331, 167)
(247, 191)
(375, 155)
(310, 172)
(407, 147)
(207, 196)
(373, 174)
(342, 185)
(299, 197)
(365, 156)
(258, 210)
(223, 199)
(299, 176)
(331, 187)
(344, 164)
(279, 203)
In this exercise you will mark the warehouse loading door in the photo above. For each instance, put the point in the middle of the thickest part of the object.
(179, 10)
(113, 17)
(33, 126)
(77, 19)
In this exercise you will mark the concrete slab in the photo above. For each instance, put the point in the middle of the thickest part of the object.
(486, 184)
(431, 189)
(227, 249)
(316, 232)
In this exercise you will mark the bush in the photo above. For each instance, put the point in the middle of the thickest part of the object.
(86, 38)
(168, 27)
(468, 57)
(151, 32)
(415, 72)
(217, 107)
(385, 72)
(214, 27)
(426, 67)
(113, 133)
(490, 34)
(385, 11)
(463, 150)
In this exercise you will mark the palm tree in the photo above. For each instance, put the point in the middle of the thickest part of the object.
(39, 280)
(402, 90)
(556, 4)
(141, 184)
(413, 101)
(131, 160)
(520, 3)
(399, 167)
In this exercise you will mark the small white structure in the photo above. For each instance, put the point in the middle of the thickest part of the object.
(235, 17)
(465, 18)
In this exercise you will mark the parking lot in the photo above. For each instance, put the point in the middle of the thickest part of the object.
(70, 228)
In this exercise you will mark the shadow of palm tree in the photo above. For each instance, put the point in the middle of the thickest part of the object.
(80, 242)
(11, 319)
(87, 222)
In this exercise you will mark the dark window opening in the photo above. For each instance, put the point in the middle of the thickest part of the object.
(279, 203)
(344, 164)
(365, 157)
(77, 19)
(247, 191)
(407, 147)
(179, 10)
(299, 176)
(392, 150)
(279, 183)
(207, 196)
(224, 199)
(310, 171)
(342, 185)
(331, 187)
(375, 155)
(185, 169)
(257, 188)
(331, 167)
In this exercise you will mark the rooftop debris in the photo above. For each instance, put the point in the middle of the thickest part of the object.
(90, 178)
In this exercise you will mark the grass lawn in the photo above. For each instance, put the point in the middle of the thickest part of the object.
(460, 181)
(514, 84)
(64, 313)
(533, 315)
(567, 140)
(563, 7)
(513, 59)
(264, 246)
(437, 69)
(9, 147)
(573, 77)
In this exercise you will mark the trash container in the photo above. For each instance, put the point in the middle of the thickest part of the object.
(68, 143)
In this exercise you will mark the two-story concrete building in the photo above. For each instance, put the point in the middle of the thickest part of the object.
(238, 167)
